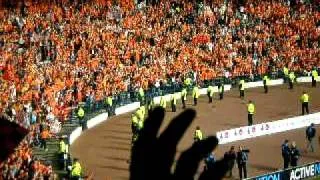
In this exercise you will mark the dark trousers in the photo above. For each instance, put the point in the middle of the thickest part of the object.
(183, 103)
(195, 100)
(43, 143)
(294, 162)
(221, 96)
(210, 99)
(314, 82)
(110, 110)
(241, 93)
(265, 89)
(242, 169)
(173, 107)
(305, 107)
(61, 161)
(286, 163)
(290, 84)
(250, 119)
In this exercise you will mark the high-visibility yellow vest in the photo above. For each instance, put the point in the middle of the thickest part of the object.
(304, 98)
(174, 99)
(266, 79)
(242, 84)
(315, 73)
(184, 94)
(210, 91)
(141, 92)
(134, 120)
(292, 76)
(163, 102)
(195, 93)
(143, 110)
(76, 169)
(109, 101)
(80, 112)
(62, 147)
(251, 108)
(221, 89)
(285, 71)
(198, 135)
(139, 114)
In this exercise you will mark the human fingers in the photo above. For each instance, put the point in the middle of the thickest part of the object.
(151, 127)
(189, 160)
(169, 139)
(217, 171)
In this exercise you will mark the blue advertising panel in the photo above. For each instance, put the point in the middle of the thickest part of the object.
(296, 173)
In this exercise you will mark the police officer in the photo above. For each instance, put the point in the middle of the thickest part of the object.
(173, 102)
(291, 79)
(198, 135)
(221, 90)
(294, 155)
(251, 111)
(314, 77)
(109, 102)
(163, 102)
(80, 115)
(76, 170)
(305, 102)
(184, 97)
(242, 159)
(265, 83)
(195, 95)
(310, 134)
(241, 88)
(61, 153)
(285, 154)
(210, 93)
(141, 96)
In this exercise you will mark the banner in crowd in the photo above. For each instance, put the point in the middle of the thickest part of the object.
(296, 173)
(247, 132)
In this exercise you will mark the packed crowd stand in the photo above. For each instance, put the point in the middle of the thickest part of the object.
(55, 55)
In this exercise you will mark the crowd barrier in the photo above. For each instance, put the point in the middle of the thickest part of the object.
(300, 172)
(225, 136)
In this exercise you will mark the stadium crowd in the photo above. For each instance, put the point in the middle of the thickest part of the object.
(55, 55)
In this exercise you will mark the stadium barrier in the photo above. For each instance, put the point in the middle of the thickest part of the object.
(296, 173)
(203, 91)
(247, 132)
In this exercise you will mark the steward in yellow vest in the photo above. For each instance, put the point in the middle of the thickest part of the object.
(241, 88)
(305, 102)
(265, 83)
(314, 77)
(163, 102)
(76, 170)
(173, 102)
(184, 97)
(210, 93)
(198, 135)
(63, 150)
(195, 95)
(221, 90)
(251, 111)
(292, 77)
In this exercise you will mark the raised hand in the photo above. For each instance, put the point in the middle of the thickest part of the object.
(152, 156)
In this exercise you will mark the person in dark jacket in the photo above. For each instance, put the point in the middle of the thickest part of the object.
(209, 161)
(294, 155)
(242, 159)
(310, 134)
(285, 154)
(231, 157)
